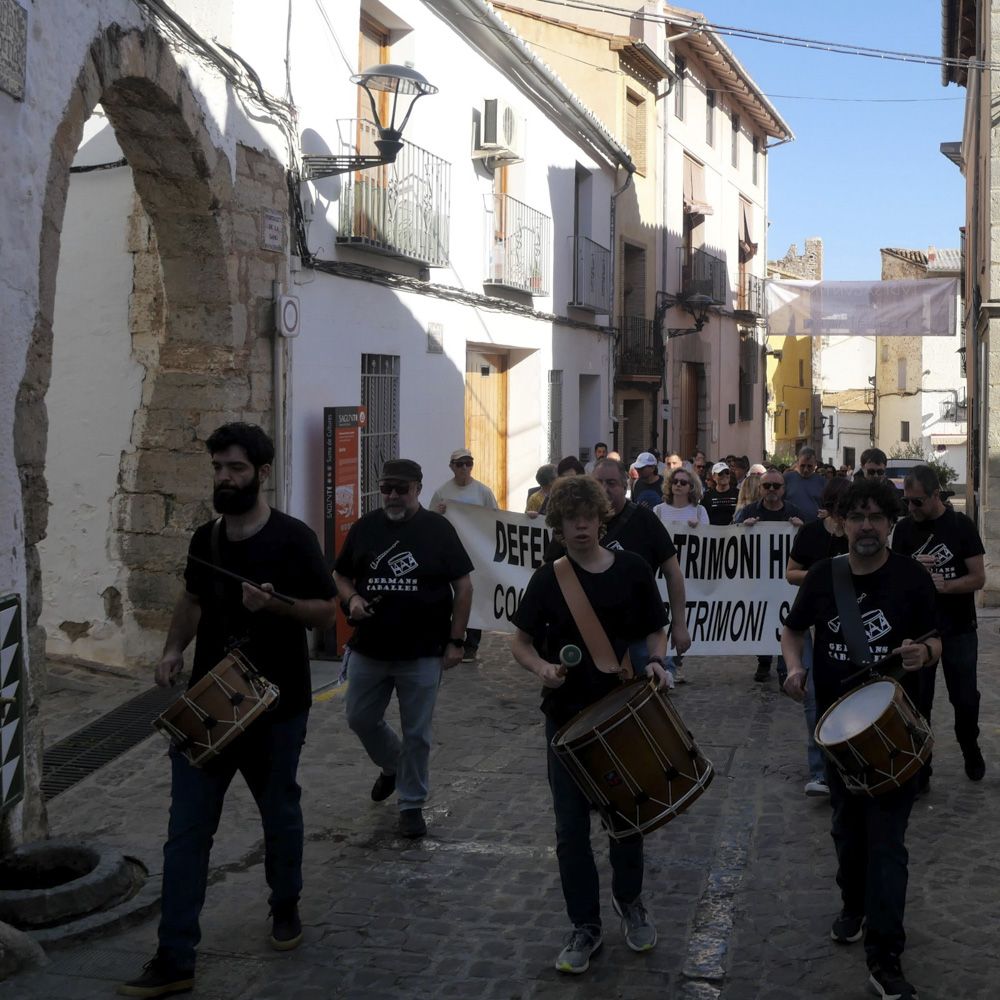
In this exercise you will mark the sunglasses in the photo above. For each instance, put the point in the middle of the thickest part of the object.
(915, 501)
(874, 472)
(465, 463)
(400, 489)
(726, 473)
(681, 482)
(771, 486)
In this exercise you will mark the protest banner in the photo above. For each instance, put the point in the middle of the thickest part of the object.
(734, 577)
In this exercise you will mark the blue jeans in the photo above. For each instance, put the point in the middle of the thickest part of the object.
(370, 686)
(817, 762)
(267, 756)
(577, 870)
(869, 834)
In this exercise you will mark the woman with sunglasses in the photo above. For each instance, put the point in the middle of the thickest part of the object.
(681, 499)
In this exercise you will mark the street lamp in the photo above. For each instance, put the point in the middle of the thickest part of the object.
(698, 306)
(386, 78)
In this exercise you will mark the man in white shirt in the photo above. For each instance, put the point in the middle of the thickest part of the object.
(462, 488)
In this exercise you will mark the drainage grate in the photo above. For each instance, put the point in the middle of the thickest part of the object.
(85, 751)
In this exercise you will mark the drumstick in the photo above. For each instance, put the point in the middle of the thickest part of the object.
(879, 667)
(242, 579)
(570, 656)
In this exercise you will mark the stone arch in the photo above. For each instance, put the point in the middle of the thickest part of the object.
(207, 358)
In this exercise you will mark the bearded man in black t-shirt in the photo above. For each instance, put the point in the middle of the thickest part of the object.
(948, 546)
(403, 578)
(261, 544)
(626, 603)
(896, 606)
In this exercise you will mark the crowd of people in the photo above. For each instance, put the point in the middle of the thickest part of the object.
(404, 579)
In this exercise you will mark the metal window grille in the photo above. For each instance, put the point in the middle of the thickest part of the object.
(380, 436)
(555, 415)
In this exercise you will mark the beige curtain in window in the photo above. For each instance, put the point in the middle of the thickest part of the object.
(694, 189)
(748, 249)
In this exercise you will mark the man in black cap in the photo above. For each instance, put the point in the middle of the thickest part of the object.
(403, 579)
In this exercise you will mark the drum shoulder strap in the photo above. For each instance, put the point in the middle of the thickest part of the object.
(851, 626)
(619, 526)
(591, 631)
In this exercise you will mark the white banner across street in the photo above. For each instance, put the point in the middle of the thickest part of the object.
(734, 577)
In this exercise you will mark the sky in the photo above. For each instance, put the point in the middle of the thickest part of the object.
(861, 175)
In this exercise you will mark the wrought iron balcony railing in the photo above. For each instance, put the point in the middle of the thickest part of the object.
(750, 295)
(591, 275)
(640, 348)
(400, 209)
(519, 246)
(703, 274)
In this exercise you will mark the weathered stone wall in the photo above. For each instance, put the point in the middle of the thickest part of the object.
(807, 266)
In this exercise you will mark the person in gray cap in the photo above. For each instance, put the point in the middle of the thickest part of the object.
(403, 579)
(462, 488)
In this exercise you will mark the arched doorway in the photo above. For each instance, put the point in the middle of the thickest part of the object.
(197, 325)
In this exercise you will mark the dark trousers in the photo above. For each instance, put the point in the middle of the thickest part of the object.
(267, 755)
(958, 662)
(577, 869)
(473, 637)
(869, 834)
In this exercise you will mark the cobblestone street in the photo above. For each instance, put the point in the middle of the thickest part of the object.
(741, 885)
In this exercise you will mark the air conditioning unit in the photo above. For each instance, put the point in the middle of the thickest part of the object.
(501, 132)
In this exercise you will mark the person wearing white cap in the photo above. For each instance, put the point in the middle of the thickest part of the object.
(462, 488)
(720, 501)
(648, 490)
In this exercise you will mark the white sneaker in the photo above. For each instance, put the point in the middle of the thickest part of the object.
(817, 787)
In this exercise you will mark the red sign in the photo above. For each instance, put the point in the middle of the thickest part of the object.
(341, 486)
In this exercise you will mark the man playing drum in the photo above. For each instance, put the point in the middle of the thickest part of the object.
(896, 605)
(623, 594)
(257, 543)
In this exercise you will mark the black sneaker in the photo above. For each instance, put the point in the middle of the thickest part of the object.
(923, 781)
(286, 927)
(847, 928)
(411, 823)
(975, 766)
(385, 785)
(762, 674)
(469, 653)
(885, 976)
(160, 978)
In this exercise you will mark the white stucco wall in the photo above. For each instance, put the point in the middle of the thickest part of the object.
(846, 363)
(95, 389)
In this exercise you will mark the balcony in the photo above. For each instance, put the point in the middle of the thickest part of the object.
(400, 209)
(703, 274)
(518, 252)
(750, 295)
(591, 275)
(640, 349)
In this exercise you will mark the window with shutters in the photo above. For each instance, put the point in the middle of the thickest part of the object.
(635, 129)
(710, 117)
(904, 431)
(749, 357)
(380, 435)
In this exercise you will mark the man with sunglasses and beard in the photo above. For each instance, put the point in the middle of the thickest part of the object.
(280, 554)
(896, 606)
(404, 580)
(947, 544)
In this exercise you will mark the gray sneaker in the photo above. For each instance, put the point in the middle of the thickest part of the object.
(637, 925)
(581, 944)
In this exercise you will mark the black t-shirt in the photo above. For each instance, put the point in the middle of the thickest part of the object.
(284, 553)
(951, 539)
(648, 494)
(757, 509)
(410, 565)
(813, 542)
(633, 529)
(626, 602)
(720, 506)
(895, 604)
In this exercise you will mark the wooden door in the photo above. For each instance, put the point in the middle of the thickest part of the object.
(486, 418)
(687, 419)
(370, 184)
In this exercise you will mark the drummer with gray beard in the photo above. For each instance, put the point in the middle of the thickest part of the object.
(896, 606)
(626, 602)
